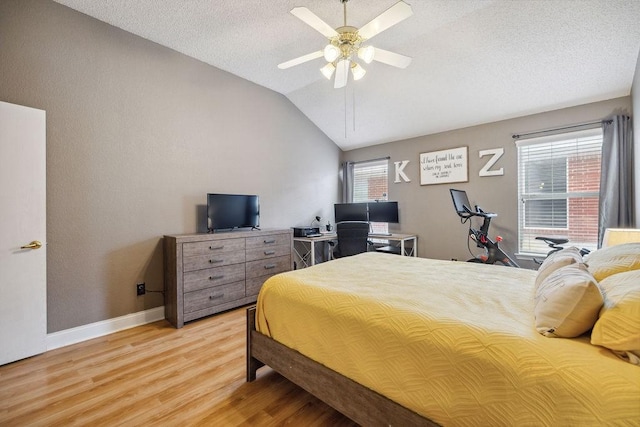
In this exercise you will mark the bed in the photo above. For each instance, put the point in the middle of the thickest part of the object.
(391, 340)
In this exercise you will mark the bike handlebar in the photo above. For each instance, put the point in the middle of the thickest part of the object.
(478, 212)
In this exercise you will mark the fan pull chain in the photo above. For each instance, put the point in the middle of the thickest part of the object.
(345, 112)
(353, 105)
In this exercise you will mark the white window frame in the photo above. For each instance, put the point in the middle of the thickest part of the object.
(546, 196)
(527, 245)
(369, 165)
(376, 227)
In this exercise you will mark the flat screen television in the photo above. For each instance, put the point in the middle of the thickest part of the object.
(383, 212)
(232, 211)
(350, 212)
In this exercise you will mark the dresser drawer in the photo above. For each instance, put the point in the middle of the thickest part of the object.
(253, 285)
(201, 279)
(210, 297)
(212, 247)
(268, 252)
(201, 262)
(258, 242)
(268, 266)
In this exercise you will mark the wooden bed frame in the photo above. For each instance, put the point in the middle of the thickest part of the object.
(361, 404)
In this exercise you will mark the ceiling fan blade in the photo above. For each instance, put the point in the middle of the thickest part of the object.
(312, 20)
(391, 58)
(300, 60)
(342, 74)
(390, 17)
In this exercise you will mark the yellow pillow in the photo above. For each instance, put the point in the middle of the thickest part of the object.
(614, 259)
(618, 327)
(557, 260)
(567, 302)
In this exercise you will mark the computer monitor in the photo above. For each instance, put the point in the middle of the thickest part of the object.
(460, 200)
(383, 212)
(350, 212)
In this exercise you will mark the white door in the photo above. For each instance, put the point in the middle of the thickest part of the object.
(23, 271)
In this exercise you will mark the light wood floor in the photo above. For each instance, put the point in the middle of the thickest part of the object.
(156, 375)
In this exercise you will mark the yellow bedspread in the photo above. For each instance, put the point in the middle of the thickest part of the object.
(452, 341)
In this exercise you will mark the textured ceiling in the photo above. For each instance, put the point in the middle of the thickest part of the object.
(473, 61)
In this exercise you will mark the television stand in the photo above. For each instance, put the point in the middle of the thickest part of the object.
(206, 273)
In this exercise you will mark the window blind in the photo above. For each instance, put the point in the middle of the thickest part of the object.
(370, 180)
(558, 185)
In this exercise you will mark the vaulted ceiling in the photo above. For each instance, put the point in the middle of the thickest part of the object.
(474, 61)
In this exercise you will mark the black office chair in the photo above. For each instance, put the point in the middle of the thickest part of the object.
(353, 238)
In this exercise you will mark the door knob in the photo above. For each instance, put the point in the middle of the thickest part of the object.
(33, 245)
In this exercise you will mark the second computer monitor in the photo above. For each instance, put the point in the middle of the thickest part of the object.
(383, 212)
(371, 212)
(350, 212)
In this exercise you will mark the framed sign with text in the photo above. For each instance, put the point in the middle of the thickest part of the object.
(445, 166)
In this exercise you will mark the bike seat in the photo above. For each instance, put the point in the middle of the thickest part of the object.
(553, 240)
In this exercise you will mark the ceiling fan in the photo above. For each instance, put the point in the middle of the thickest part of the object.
(346, 43)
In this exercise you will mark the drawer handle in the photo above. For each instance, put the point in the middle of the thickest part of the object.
(268, 242)
(212, 297)
(216, 277)
(215, 261)
(269, 252)
(269, 266)
(216, 248)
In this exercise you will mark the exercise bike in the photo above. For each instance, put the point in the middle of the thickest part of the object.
(493, 253)
(555, 243)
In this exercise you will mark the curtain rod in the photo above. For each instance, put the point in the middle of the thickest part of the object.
(371, 160)
(597, 122)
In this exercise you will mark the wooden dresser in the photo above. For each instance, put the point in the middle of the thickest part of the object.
(209, 273)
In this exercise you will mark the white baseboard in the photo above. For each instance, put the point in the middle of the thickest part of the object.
(104, 327)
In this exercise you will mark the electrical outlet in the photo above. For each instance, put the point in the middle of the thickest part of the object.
(141, 289)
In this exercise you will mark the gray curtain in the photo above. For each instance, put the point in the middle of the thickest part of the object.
(347, 182)
(617, 176)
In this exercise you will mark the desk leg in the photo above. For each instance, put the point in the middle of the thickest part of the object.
(303, 258)
(313, 252)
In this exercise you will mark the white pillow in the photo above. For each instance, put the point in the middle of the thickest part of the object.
(567, 302)
(557, 260)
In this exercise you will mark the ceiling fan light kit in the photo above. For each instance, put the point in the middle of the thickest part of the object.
(346, 43)
(357, 71)
(328, 70)
(331, 53)
(367, 53)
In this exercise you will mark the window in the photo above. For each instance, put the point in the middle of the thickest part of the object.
(370, 182)
(545, 178)
(558, 186)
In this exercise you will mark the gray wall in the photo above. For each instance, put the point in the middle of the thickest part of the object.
(428, 210)
(137, 134)
(635, 106)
